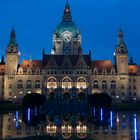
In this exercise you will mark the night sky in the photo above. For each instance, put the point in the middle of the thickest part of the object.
(98, 20)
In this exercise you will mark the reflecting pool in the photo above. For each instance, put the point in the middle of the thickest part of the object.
(99, 125)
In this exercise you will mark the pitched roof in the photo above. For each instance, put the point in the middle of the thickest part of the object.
(31, 64)
(59, 59)
(102, 64)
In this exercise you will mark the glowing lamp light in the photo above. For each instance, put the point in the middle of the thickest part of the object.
(118, 119)
(111, 116)
(28, 115)
(16, 119)
(117, 97)
(135, 128)
(101, 113)
(15, 97)
(20, 121)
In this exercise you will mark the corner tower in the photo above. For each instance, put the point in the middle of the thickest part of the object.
(12, 55)
(121, 55)
(67, 37)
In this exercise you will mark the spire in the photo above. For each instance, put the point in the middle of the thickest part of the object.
(67, 13)
(12, 40)
(131, 61)
(120, 37)
(121, 47)
(30, 58)
(2, 60)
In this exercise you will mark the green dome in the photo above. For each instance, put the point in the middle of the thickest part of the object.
(67, 26)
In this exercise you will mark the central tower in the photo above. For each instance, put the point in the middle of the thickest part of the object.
(67, 37)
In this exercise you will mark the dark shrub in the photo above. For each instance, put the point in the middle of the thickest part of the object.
(101, 100)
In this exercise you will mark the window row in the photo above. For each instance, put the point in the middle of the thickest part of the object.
(66, 83)
(29, 84)
(30, 71)
(104, 71)
(66, 72)
(104, 84)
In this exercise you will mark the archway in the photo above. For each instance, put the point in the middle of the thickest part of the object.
(81, 96)
(51, 96)
(66, 96)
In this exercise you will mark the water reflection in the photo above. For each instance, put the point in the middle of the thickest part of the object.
(98, 125)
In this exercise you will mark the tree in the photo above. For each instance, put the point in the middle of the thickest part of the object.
(33, 99)
(101, 100)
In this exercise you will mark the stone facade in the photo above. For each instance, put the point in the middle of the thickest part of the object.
(67, 73)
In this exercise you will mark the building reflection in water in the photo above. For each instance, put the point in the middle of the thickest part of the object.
(102, 124)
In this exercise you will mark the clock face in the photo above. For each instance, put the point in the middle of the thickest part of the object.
(67, 36)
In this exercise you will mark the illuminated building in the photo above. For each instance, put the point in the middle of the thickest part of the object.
(68, 74)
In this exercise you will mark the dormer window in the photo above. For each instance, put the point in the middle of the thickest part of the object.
(104, 71)
(95, 71)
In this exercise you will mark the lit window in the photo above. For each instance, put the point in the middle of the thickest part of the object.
(52, 83)
(81, 83)
(66, 83)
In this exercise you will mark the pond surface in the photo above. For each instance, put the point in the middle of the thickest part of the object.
(99, 125)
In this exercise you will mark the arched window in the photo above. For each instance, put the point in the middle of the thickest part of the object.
(104, 84)
(113, 84)
(95, 84)
(51, 83)
(81, 96)
(66, 96)
(81, 83)
(29, 84)
(122, 86)
(37, 84)
(20, 84)
(51, 96)
(66, 83)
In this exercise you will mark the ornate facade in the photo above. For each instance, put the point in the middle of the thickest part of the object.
(68, 74)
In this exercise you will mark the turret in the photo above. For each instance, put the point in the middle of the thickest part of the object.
(66, 37)
(121, 55)
(12, 54)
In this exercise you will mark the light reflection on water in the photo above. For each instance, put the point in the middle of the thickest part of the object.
(101, 123)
